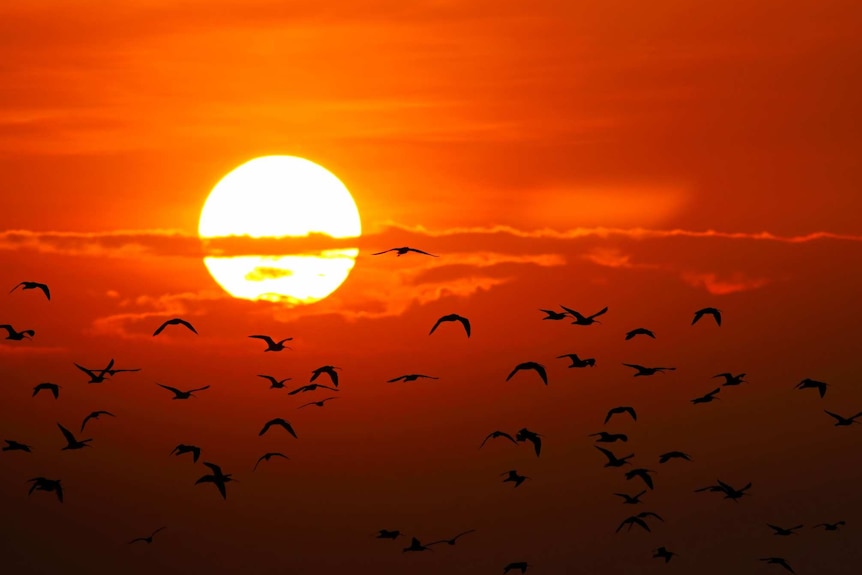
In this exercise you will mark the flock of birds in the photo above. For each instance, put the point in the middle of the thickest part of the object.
(220, 479)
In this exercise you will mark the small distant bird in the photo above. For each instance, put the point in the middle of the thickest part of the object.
(310, 387)
(52, 387)
(328, 370)
(97, 375)
(777, 561)
(33, 285)
(280, 422)
(582, 319)
(707, 311)
(613, 460)
(514, 477)
(633, 520)
(639, 331)
(271, 344)
(577, 361)
(782, 531)
(730, 379)
(495, 435)
(403, 251)
(537, 367)
(217, 478)
(453, 317)
(631, 499)
(665, 457)
(843, 421)
(642, 371)
(453, 540)
(711, 396)
(180, 394)
(663, 553)
(95, 415)
(275, 383)
(12, 445)
(553, 315)
(44, 484)
(830, 526)
(268, 456)
(174, 321)
(733, 493)
(183, 448)
(525, 434)
(387, 534)
(644, 474)
(148, 539)
(416, 545)
(520, 565)
(71, 441)
(813, 384)
(605, 437)
(317, 403)
(17, 335)
(410, 377)
(622, 409)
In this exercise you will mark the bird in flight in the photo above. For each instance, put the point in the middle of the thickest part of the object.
(525, 434)
(514, 477)
(733, 493)
(12, 445)
(553, 315)
(97, 376)
(782, 531)
(495, 435)
(174, 321)
(180, 394)
(453, 317)
(826, 526)
(639, 331)
(577, 361)
(813, 384)
(582, 319)
(95, 415)
(275, 383)
(537, 367)
(622, 409)
(453, 540)
(663, 553)
(148, 539)
(328, 370)
(519, 565)
(707, 311)
(387, 534)
(33, 285)
(71, 441)
(268, 456)
(605, 437)
(277, 421)
(631, 499)
(665, 457)
(216, 477)
(644, 474)
(317, 403)
(403, 251)
(777, 561)
(410, 377)
(711, 396)
(613, 460)
(52, 387)
(183, 448)
(631, 521)
(44, 484)
(416, 545)
(17, 335)
(730, 379)
(843, 421)
(642, 371)
(310, 387)
(271, 344)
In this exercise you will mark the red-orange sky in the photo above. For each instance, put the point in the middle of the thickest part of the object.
(652, 157)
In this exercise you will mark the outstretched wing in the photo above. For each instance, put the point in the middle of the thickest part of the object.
(198, 389)
(185, 323)
(161, 328)
(67, 434)
(385, 251)
(574, 314)
(172, 389)
(598, 313)
(465, 322)
(421, 252)
(265, 338)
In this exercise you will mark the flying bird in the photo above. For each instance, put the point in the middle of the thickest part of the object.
(174, 321)
(183, 449)
(813, 384)
(582, 319)
(782, 531)
(403, 251)
(17, 335)
(514, 477)
(707, 311)
(180, 394)
(519, 565)
(44, 484)
(633, 520)
(410, 377)
(663, 553)
(12, 445)
(553, 315)
(217, 478)
(605, 437)
(33, 285)
(275, 383)
(644, 474)
(387, 534)
(71, 441)
(148, 539)
(268, 456)
(310, 387)
(538, 367)
(622, 409)
(639, 331)
(777, 561)
(415, 545)
(328, 370)
(271, 344)
(844, 421)
(730, 379)
(97, 375)
(665, 457)
(453, 317)
(95, 415)
(613, 460)
(830, 526)
(642, 371)
(277, 421)
(52, 387)
(631, 499)
(711, 396)
(577, 361)
(317, 403)
(733, 493)
(495, 435)
(525, 434)
(453, 540)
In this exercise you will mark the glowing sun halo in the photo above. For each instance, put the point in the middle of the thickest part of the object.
(279, 197)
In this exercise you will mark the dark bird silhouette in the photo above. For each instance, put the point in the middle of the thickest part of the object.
(730, 379)
(644, 474)
(387, 534)
(52, 387)
(641, 370)
(631, 521)
(71, 441)
(514, 477)
(711, 396)
(813, 384)
(148, 539)
(275, 383)
(777, 561)
(453, 540)
(97, 375)
(410, 377)
(183, 448)
(519, 565)
(843, 421)
(12, 445)
(605, 437)
(403, 251)
(663, 553)
(180, 394)
(733, 493)
(268, 456)
(495, 435)
(217, 478)
(538, 367)
(271, 344)
(665, 457)
(553, 315)
(577, 361)
(277, 421)
(174, 321)
(17, 335)
(830, 526)
(113, 372)
(44, 484)
(782, 531)
(621, 409)
(317, 403)
(716, 313)
(95, 415)
(33, 285)
(613, 460)
(582, 319)
(415, 545)
(310, 387)
(639, 331)
(631, 499)
(525, 434)
(453, 317)
(328, 370)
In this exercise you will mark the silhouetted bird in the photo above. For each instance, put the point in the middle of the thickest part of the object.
(715, 313)
(538, 367)
(711, 396)
(621, 409)
(813, 384)
(271, 344)
(733, 493)
(52, 387)
(33, 285)
(663, 553)
(317, 403)
(582, 319)
(520, 565)
(577, 361)
(71, 441)
(415, 545)
(495, 435)
(148, 539)
(730, 379)
(842, 421)
(453, 540)
(174, 321)
(275, 383)
(644, 474)
(641, 370)
(782, 531)
(605, 437)
(12, 445)
(44, 484)
(525, 434)
(830, 526)
(631, 499)
(310, 387)
(180, 394)
(553, 315)
(277, 421)
(410, 377)
(613, 460)
(453, 317)
(403, 251)
(217, 478)
(778, 561)
(633, 520)
(183, 448)
(328, 370)
(665, 457)
(514, 477)
(97, 376)
(95, 415)
(268, 456)
(639, 331)
(386, 534)
(17, 335)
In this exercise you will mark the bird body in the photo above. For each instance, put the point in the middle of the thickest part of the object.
(639, 331)
(34, 285)
(329, 370)
(403, 251)
(275, 383)
(621, 409)
(271, 344)
(182, 449)
(12, 445)
(577, 361)
(219, 479)
(13, 334)
(44, 484)
(52, 387)
(525, 434)
(711, 396)
(644, 474)
(813, 384)
(514, 477)
(280, 422)
(715, 313)
(452, 317)
(605, 437)
(537, 367)
(416, 545)
(730, 379)
(180, 394)
(71, 441)
(174, 321)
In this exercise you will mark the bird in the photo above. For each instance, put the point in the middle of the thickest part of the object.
(665, 457)
(633, 520)
(642, 371)
(17, 335)
(95, 415)
(71, 441)
(34, 285)
(622, 409)
(644, 474)
(716, 313)
(310, 387)
(12, 445)
(218, 478)
(97, 376)
(174, 321)
(416, 545)
(495, 435)
(826, 526)
(631, 499)
(45, 484)
(519, 565)
(271, 344)
(317, 403)
(275, 383)
(525, 434)
(387, 534)
(52, 387)
(402, 251)
(553, 315)
(328, 370)
(277, 421)
(711, 396)
(410, 377)
(268, 456)
(777, 561)
(113, 372)
(605, 437)
(538, 367)
(584, 320)
(577, 361)
(639, 331)
(453, 540)
(148, 539)
(782, 531)
(663, 553)
(730, 379)
(813, 384)
(733, 493)
(453, 317)
(514, 477)
(844, 421)
(183, 448)
(613, 460)
(180, 394)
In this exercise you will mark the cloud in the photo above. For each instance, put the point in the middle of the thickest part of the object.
(130, 325)
(735, 283)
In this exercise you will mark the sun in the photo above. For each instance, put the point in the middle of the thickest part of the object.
(280, 197)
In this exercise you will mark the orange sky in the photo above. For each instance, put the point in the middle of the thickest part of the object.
(654, 158)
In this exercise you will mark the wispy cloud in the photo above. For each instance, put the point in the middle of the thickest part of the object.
(720, 286)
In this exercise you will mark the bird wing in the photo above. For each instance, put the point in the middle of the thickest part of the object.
(86, 419)
(45, 290)
(598, 313)
(173, 389)
(438, 322)
(157, 530)
(573, 313)
(537, 443)
(635, 366)
(514, 371)
(266, 427)
(463, 533)
(199, 389)
(631, 411)
(421, 252)
(265, 338)
(466, 323)
(221, 488)
(540, 369)
(16, 287)
(196, 452)
(160, 329)
(288, 427)
(67, 434)
(269, 378)
(835, 415)
(215, 468)
(384, 252)
(608, 454)
(87, 371)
